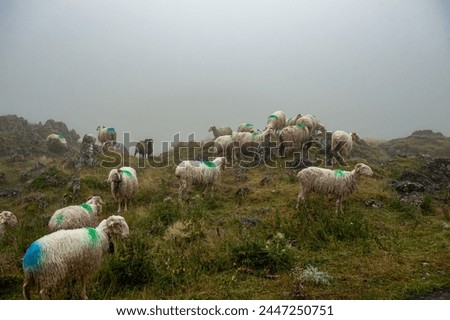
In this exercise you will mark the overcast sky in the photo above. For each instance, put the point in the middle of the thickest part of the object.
(380, 68)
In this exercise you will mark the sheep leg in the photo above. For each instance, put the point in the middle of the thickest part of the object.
(119, 209)
(43, 294)
(207, 190)
(26, 290)
(301, 197)
(83, 289)
(181, 190)
(125, 205)
(339, 205)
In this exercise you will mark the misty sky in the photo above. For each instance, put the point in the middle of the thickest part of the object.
(380, 68)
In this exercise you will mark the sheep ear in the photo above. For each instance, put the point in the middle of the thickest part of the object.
(358, 167)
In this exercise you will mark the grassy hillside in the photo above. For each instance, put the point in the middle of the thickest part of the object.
(246, 240)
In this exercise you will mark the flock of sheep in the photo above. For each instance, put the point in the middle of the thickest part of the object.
(77, 243)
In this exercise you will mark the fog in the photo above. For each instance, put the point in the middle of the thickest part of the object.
(157, 67)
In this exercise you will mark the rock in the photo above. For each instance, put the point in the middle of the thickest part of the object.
(265, 181)
(250, 222)
(373, 203)
(2, 178)
(9, 193)
(242, 191)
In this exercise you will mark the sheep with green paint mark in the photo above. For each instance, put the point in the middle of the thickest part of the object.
(66, 255)
(276, 121)
(293, 139)
(56, 142)
(249, 144)
(293, 120)
(78, 216)
(7, 219)
(246, 127)
(106, 134)
(339, 183)
(124, 186)
(312, 123)
(222, 131)
(191, 173)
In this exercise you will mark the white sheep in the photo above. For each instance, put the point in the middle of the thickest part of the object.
(67, 255)
(191, 172)
(293, 120)
(276, 121)
(324, 181)
(7, 219)
(217, 132)
(78, 216)
(342, 143)
(56, 142)
(106, 134)
(312, 123)
(293, 139)
(247, 143)
(223, 147)
(246, 127)
(124, 185)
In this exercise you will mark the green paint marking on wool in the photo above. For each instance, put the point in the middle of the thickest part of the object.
(255, 133)
(87, 207)
(209, 164)
(127, 173)
(60, 218)
(248, 125)
(339, 173)
(300, 125)
(60, 137)
(94, 237)
(272, 117)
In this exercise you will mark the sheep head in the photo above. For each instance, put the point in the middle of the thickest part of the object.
(363, 169)
(116, 227)
(355, 137)
(96, 201)
(115, 178)
(8, 218)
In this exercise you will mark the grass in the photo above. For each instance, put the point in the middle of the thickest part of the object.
(203, 251)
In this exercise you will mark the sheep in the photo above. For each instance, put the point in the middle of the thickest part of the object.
(78, 216)
(67, 255)
(144, 148)
(276, 121)
(293, 120)
(106, 134)
(246, 127)
(7, 218)
(294, 138)
(198, 173)
(124, 185)
(217, 132)
(251, 143)
(323, 181)
(56, 142)
(342, 144)
(312, 123)
(223, 146)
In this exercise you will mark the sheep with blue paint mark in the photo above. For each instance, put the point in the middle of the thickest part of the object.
(66, 255)
(339, 183)
(191, 173)
(106, 134)
(7, 219)
(78, 216)
(124, 186)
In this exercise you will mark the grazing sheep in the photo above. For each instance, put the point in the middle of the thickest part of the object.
(124, 185)
(198, 173)
(249, 144)
(276, 121)
(293, 120)
(223, 147)
(144, 148)
(246, 127)
(73, 217)
(7, 218)
(323, 181)
(312, 123)
(56, 142)
(293, 139)
(217, 132)
(342, 144)
(67, 255)
(106, 134)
